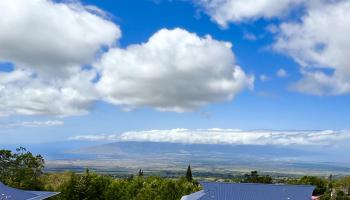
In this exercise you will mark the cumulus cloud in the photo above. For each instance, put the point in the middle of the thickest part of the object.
(23, 93)
(227, 136)
(226, 11)
(281, 73)
(319, 43)
(264, 78)
(249, 36)
(52, 46)
(173, 71)
(316, 39)
(52, 37)
(32, 124)
(321, 84)
(48, 43)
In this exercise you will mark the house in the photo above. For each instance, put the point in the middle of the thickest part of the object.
(8, 193)
(251, 191)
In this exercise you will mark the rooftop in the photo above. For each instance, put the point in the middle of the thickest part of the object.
(251, 191)
(8, 193)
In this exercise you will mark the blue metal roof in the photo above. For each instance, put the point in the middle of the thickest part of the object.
(251, 191)
(8, 193)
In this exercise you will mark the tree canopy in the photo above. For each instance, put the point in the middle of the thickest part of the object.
(189, 173)
(21, 169)
(254, 177)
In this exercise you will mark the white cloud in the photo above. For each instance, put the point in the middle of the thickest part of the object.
(272, 28)
(174, 71)
(320, 42)
(48, 43)
(50, 37)
(32, 124)
(94, 137)
(321, 84)
(249, 36)
(227, 136)
(317, 40)
(23, 93)
(281, 73)
(264, 78)
(226, 11)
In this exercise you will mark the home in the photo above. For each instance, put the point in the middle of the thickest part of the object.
(8, 193)
(251, 191)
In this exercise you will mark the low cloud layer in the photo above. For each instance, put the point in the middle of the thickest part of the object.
(32, 124)
(227, 136)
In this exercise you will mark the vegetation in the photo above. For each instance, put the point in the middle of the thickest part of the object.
(90, 186)
(254, 177)
(22, 169)
(189, 173)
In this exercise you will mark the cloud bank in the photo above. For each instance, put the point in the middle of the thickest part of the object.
(32, 124)
(227, 136)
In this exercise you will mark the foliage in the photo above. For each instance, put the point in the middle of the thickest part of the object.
(90, 186)
(140, 172)
(189, 173)
(321, 184)
(21, 169)
(344, 183)
(254, 177)
(55, 181)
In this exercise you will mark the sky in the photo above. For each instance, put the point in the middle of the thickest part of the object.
(254, 71)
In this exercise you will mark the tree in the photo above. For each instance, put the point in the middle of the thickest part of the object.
(254, 177)
(189, 173)
(140, 172)
(321, 184)
(21, 169)
(87, 186)
(69, 189)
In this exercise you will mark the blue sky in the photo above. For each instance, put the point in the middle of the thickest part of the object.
(275, 103)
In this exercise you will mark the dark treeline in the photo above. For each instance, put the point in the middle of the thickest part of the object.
(91, 186)
(21, 169)
(254, 177)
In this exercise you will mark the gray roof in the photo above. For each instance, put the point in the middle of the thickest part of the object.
(251, 191)
(8, 193)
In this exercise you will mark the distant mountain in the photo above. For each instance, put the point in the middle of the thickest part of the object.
(158, 148)
(126, 156)
(52, 150)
